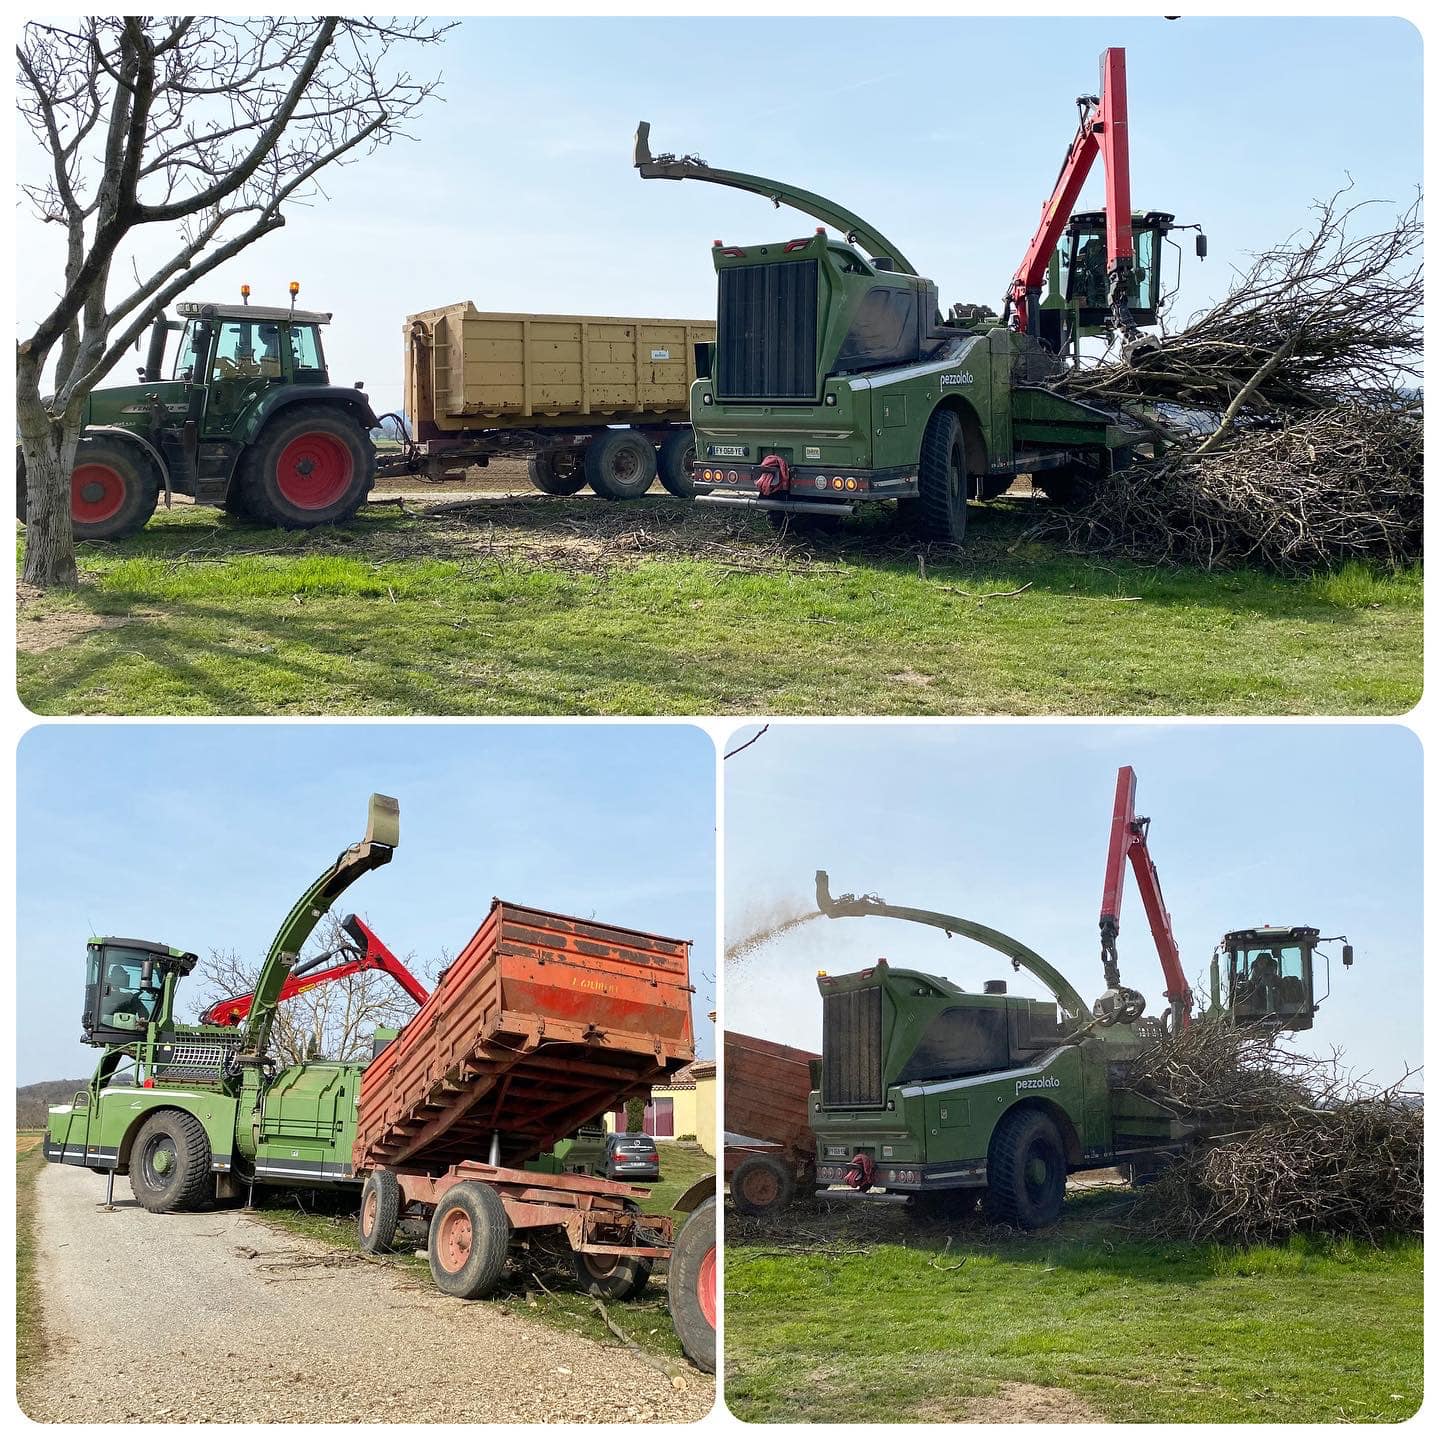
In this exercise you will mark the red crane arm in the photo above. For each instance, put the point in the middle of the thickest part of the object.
(1105, 131)
(1130, 841)
(371, 953)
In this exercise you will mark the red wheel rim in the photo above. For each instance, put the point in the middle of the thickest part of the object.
(452, 1244)
(761, 1187)
(367, 1214)
(705, 1287)
(96, 492)
(314, 470)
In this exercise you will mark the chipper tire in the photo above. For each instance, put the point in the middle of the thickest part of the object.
(677, 463)
(1026, 1171)
(558, 472)
(944, 481)
(379, 1212)
(469, 1240)
(620, 464)
(761, 1185)
(612, 1277)
(312, 465)
(692, 1287)
(170, 1163)
(113, 491)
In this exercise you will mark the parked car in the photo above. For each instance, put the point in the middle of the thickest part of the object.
(631, 1157)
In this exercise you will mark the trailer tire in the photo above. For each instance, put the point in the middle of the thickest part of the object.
(113, 490)
(170, 1163)
(612, 1277)
(692, 1286)
(620, 464)
(1026, 1170)
(761, 1185)
(311, 465)
(379, 1212)
(677, 463)
(469, 1240)
(944, 480)
(558, 472)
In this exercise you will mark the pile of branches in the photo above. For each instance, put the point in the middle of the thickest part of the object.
(1289, 1144)
(1288, 415)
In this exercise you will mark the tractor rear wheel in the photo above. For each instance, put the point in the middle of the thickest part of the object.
(620, 464)
(612, 1277)
(677, 463)
(379, 1211)
(761, 1185)
(692, 1287)
(1026, 1171)
(469, 1240)
(558, 472)
(113, 491)
(170, 1163)
(944, 480)
(312, 465)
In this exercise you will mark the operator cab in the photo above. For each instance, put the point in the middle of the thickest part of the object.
(125, 987)
(1268, 976)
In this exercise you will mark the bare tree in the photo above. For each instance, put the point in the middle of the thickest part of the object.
(334, 1021)
(202, 127)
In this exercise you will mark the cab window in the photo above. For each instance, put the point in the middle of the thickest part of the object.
(305, 352)
(247, 350)
(884, 331)
(189, 355)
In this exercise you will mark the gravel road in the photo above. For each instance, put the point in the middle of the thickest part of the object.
(177, 1318)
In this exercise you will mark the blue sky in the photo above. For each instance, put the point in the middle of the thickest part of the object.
(1251, 825)
(203, 836)
(517, 192)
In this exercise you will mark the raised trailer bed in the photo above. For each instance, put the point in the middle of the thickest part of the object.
(767, 1100)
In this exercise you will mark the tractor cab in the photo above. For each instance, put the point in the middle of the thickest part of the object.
(1266, 976)
(129, 985)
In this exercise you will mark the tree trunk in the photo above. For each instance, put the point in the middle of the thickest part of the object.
(48, 448)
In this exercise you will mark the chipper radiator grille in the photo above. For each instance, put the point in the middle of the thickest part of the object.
(767, 331)
(850, 1076)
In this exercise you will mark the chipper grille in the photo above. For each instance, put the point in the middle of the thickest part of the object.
(767, 331)
(850, 1076)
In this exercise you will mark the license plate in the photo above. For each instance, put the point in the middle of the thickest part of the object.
(727, 452)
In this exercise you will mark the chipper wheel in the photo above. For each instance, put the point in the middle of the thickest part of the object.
(311, 465)
(469, 1240)
(761, 1185)
(944, 480)
(1026, 1171)
(559, 471)
(677, 463)
(692, 1287)
(379, 1212)
(620, 464)
(170, 1163)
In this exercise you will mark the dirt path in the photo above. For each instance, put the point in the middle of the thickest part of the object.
(177, 1318)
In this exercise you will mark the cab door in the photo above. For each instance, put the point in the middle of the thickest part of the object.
(245, 360)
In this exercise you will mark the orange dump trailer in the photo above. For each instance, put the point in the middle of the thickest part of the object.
(767, 1109)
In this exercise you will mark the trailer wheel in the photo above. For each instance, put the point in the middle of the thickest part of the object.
(620, 464)
(612, 1277)
(469, 1240)
(761, 1185)
(677, 463)
(1026, 1171)
(170, 1163)
(944, 481)
(311, 465)
(692, 1287)
(113, 491)
(558, 472)
(379, 1211)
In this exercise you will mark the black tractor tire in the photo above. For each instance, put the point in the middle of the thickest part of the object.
(170, 1163)
(677, 463)
(620, 464)
(928, 1206)
(1026, 1170)
(379, 1212)
(236, 504)
(113, 490)
(311, 465)
(558, 472)
(944, 480)
(692, 1287)
(469, 1240)
(612, 1277)
(761, 1185)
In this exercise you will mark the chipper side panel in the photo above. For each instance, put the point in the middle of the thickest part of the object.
(542, 1023)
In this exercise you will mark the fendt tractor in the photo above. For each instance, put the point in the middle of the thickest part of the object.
(835, 378)
(952, 1098)
(459, 1120)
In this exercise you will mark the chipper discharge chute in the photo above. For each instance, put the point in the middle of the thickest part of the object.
(767, 1110)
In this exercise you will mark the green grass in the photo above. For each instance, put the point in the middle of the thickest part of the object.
(29, 1326)
(1138, 1331)
(576, 607)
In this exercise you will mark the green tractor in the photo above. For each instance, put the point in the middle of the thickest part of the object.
(246, 419)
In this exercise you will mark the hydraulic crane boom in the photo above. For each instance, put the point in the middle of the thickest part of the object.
(1130, 841)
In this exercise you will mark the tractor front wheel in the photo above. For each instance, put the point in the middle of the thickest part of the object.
(170, 1163)
(469, 1240)
(379, 1211)
(1026, 1171)
(692, 1287)
(312, 465)
(761, 1185)
(113, 491)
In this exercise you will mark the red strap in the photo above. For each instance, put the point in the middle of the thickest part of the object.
(774, 475)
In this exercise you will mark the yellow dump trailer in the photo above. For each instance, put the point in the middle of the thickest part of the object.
(588, 398)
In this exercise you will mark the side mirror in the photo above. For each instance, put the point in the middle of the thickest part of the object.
(1347, 955)
(1202, 245)
(704, 359)
(147, 971)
